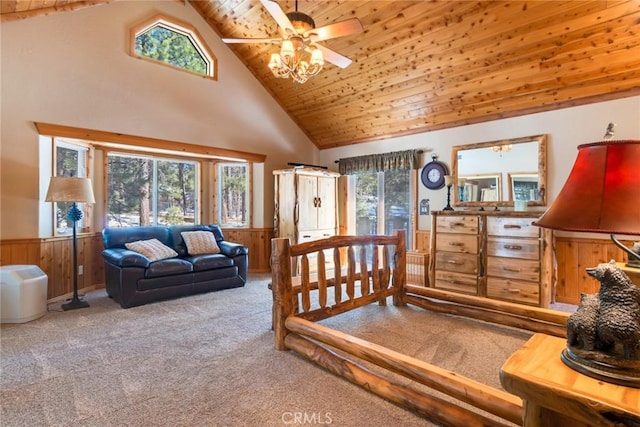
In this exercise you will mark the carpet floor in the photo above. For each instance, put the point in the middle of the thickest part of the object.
(209, 360)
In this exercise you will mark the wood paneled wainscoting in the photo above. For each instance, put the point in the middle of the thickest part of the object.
(54, 256)
(574, 255)
(258, 240)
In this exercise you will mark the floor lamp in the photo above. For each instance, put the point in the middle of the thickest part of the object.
(74, 190)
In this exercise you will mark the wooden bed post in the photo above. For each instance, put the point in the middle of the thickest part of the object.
(399, 279)
(281, 287)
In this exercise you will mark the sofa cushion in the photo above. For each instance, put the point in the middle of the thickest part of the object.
(209, 261)
(177, 242)
(200, 242)
(168, 267)
(153, 249)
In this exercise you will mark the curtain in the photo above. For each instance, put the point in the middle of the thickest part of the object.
(408, 159)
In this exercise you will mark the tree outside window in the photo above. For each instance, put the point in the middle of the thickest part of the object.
(150, 191)
(233, 179)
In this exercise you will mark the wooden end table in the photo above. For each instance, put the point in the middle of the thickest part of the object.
(555, 395)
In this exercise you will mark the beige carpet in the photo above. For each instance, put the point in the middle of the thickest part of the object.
(209, 360)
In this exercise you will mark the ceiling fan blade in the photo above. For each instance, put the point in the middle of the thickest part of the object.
(333, 56)
(279, 16)
(274, 41)
(339, 29)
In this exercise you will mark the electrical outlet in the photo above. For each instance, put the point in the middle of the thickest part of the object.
(80, 269)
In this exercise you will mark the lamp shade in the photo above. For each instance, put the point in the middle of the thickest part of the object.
(602, 193)
(64, 189)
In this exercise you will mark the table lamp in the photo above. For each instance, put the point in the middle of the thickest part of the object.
(602, 195)
(75, 190)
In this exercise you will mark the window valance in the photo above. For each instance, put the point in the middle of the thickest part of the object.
(408, 159)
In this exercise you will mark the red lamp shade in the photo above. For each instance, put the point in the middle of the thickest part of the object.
(602, 193)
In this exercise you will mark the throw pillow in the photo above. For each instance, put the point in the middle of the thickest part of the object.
(153, 249)
(200, 242)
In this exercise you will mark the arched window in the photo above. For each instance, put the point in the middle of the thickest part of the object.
(170, 42)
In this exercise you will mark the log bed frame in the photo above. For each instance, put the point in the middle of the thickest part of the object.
(380, 270)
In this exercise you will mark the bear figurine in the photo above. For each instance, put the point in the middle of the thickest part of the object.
(618, 318)
(581, 325)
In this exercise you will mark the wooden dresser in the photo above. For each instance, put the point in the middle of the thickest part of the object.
(497, 255)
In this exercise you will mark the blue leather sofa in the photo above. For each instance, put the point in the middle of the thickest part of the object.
(132, 280)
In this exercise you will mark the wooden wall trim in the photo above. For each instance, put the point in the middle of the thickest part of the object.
(99, 136)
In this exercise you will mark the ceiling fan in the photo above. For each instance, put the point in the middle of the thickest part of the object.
(299, 34)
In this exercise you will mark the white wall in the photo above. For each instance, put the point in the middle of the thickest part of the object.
(73, 69)
(566, 129)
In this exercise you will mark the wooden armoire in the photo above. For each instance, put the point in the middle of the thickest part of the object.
(305, 204)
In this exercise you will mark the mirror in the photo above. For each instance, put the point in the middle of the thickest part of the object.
(498, 173)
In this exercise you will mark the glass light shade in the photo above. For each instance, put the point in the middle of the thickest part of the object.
(602, 192)
(65, 189)
(286, 51)
(317, 58)
(275, 61)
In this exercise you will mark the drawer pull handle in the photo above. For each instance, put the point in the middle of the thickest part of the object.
(512, 291)
(457, 224)
(453, 262)
(306, 237)
(512, 269)
(456, 244)
(326, 234)
(514, 247)
(512, 226)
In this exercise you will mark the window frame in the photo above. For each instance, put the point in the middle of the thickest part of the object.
(180, 27)
(105, 141)
(85, 160)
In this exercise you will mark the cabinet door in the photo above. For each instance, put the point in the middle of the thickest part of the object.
(326, 202)
(307, 201)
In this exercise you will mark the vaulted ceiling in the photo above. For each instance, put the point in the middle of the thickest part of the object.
(426, 65)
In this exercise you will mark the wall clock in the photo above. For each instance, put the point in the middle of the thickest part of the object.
(433, 173)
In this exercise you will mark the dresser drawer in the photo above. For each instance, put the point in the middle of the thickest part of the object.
(513, 290)
(458, 282)
(458, 224)
(511, 268)
(462, 243)
(512, 227)
(457, 262)
(513, 248)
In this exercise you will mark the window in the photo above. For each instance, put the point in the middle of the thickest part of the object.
(233, 183)
(173, 43)
(382, 202)
(70, 161)
(147, 190)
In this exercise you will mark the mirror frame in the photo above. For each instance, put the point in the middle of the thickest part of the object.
(542, 171)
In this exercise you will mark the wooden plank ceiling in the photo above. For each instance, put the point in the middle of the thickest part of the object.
(426, 65)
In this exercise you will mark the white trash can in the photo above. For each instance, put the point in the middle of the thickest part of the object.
(23, 293)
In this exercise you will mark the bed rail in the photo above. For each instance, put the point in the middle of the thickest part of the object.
(363, 270)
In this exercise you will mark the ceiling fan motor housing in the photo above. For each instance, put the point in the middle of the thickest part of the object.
(301, 22)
